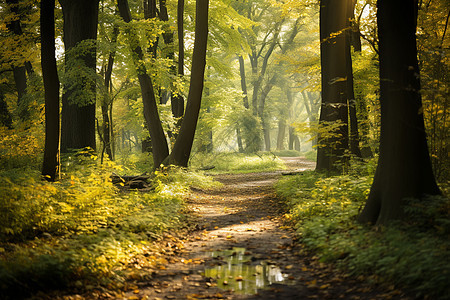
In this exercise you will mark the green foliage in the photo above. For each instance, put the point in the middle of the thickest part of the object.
(323, 131)
(432, 41)
(408, 253)
(79, 78)
(238, 162)
(287, 153)
(311, 155)
(21, 148)
(82, 230)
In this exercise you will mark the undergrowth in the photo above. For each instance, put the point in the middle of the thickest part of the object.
(237, 162)
(412, 254)
(82, 230)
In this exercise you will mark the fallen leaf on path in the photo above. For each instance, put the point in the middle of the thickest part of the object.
(312, 284)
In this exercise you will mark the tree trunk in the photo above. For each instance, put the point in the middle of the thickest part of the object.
(159, 142)
(281, 134)
(243, 81)
(78, 119)
(19, 71)
(183, 145)
(239, 140)
(51, 86)
(291, 138)
(106, 103)
(333, 21)
(5, 115)
(355, 35)
(354, 134)
(177, 101)
(404, 167)
(297, 143)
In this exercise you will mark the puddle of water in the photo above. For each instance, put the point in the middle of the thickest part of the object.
(235, 272)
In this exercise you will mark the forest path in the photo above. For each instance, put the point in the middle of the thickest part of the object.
(241, 244)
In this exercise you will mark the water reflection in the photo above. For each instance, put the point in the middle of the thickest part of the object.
(234, 270)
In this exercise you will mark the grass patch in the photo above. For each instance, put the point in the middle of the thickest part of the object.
(83, 231)
(411, 254)
(287, 153)
(238, 162)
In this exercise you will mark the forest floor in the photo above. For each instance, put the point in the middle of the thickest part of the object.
(240, 248)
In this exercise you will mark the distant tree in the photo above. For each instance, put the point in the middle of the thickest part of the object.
(404, 167)
(51, 87)
(79, 97)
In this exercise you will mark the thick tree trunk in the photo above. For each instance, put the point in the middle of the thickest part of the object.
(333, 21)
(404, 167)
(159, 142)
(51, 86)
(78, 119)
(183, 145)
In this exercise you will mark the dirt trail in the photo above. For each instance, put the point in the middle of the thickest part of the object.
(244, 217)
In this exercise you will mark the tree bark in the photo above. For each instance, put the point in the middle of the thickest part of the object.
(243, 81)
(355, 35)
(50, 165)
(353, 120)
(333, 22)
(78, 119)
(183, 145)
(106, 104)
(404, 166)
(177, 101)
(5, 115)
(281, 134)
(159, 142)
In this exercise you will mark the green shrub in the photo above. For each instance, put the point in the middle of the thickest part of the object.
(82, 230)
(410, 254)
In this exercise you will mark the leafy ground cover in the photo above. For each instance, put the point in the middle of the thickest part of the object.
(238, 162)
(412, 254)
(83, 231)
